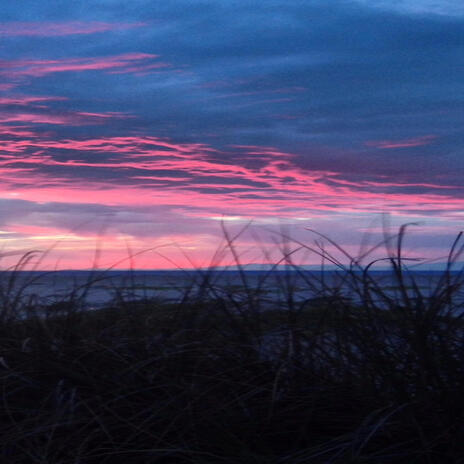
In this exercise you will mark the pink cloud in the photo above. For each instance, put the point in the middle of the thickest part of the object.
(15, 131)
(153, 172)
(292, 192)
(70, 118)
(107, 115)
(384, 184)
(8, 86)
(36, 114)
(125, 63)
(76, 249)
(413, 142)
(262, 151)
(27, 100)
(286, 188)
(57, 29)
(28, 229)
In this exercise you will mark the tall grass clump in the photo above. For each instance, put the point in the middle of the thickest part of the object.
(288, 368)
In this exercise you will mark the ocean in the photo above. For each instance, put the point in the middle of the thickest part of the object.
(97, 289)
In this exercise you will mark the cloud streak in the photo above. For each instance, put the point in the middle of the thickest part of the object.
(60, 29)
(153, 171)
(405, 143)
(69, 118)
(124, 63)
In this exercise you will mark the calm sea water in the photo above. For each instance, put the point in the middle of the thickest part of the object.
(98, 289)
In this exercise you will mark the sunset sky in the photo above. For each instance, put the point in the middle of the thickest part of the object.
(140, 124)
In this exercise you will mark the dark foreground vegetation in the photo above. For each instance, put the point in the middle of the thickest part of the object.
(219, 378)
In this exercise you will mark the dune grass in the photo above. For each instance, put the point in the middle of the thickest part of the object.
(220, 377)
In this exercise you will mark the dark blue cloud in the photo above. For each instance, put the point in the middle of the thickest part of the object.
(289, 74)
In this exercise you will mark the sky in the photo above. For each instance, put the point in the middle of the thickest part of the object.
(133, 133)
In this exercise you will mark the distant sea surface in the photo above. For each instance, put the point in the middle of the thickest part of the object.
(98, 289)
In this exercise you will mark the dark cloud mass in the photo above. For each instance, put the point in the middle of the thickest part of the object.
(280, 110)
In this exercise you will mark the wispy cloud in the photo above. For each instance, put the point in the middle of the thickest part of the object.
(404, 143)
(152, 171)
(68, 118)
(64, 28)
(124, 63)
(28, 100)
